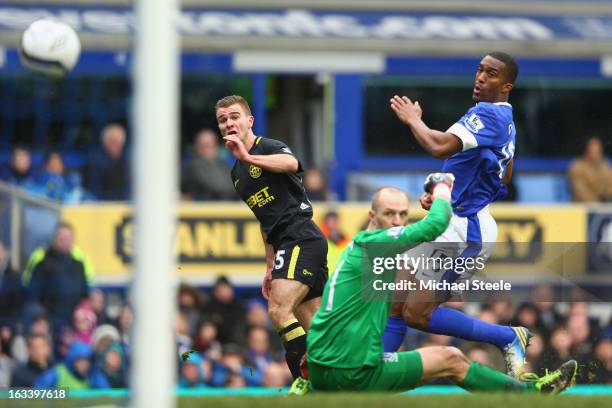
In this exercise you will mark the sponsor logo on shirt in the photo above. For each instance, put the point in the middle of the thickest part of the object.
(304, 206)
(260, 198)
(287, 150)
(254, 171)
(306, 272)
(474, 123)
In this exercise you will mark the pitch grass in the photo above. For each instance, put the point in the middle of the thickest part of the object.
(349, 401)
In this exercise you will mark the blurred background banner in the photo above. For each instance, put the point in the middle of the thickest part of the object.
(335, 26)
(225, 238)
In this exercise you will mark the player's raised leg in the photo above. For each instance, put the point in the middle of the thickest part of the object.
(429, 317)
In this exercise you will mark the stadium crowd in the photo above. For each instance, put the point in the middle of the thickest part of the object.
(58, 329)
(103, 173)
(53, 335)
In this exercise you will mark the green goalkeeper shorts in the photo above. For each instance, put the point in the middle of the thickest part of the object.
(395, 372)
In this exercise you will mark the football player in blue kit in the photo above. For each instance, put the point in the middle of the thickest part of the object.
(478, 150)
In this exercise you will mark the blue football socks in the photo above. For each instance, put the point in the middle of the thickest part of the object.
(451, 322)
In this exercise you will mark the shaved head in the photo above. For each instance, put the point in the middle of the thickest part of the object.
(385, 194)
(389, 208)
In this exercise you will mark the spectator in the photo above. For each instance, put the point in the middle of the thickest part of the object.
(40, 359)
(234, 363)
(206, 177)
(55, 183)
(77, 372)
(275, 376)
(182, 335)
(548, 317)
(602, 358)
(257, 316)
(124, 324)
(108, 176)
(257, 313)
(39, 326)
(560, 351)
(534, 354)
(487, 315)
(190, 305)
(57, 277)
(479, 354)
(103, 336)
(192, 372)
(226, 312)
(6, 365)
(528, 315)
(502, 308)
(83, 325)
(206, 340)
(258, 349)
(315, 186)
(580, 308)
(591, 175)
(235, 380)
(580, 332)
(11, 291)
(113, 364)
(19, 170)
(98, 305)
(336, 240)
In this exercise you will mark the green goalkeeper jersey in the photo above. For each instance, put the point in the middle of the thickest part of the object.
(346, 332)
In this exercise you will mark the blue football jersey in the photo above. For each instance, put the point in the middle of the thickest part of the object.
(488, 135)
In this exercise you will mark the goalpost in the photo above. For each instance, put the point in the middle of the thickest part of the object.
(155, 110)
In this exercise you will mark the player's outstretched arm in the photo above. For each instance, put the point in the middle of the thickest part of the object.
(439, 144)
(429, 228)
(275, 163)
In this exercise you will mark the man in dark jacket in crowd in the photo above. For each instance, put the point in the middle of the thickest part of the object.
(108, 175)
(206, 177)
(19, 170)
(226, 312)
(56, 279)
(39, 352)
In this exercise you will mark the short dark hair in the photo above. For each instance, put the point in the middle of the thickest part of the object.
(512, 69)
(233, 100)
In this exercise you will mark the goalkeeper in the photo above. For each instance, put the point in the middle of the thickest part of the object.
(345, 350)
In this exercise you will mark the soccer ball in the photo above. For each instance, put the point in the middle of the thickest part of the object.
(49, 47)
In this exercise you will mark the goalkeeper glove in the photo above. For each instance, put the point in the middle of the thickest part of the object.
(439, 185)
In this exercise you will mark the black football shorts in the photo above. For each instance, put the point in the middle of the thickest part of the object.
(304, 261)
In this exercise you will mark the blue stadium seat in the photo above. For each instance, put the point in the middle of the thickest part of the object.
(542, 188)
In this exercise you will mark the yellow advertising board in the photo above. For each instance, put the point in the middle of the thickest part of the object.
(224, 238)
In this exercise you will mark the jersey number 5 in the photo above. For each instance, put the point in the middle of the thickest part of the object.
(279, 261)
